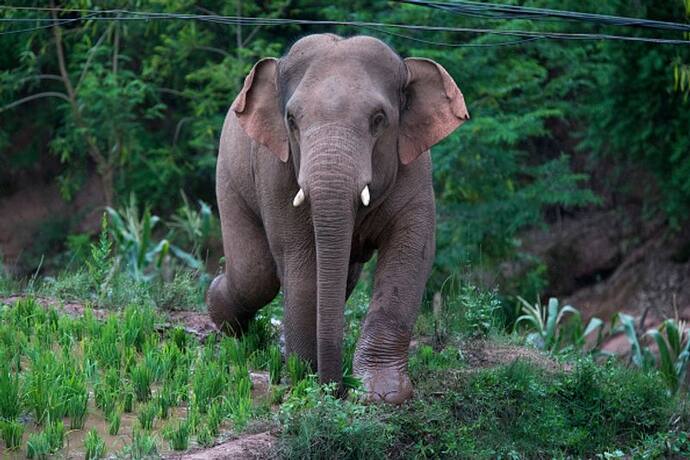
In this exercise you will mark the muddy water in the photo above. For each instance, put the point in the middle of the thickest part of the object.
(74, 439)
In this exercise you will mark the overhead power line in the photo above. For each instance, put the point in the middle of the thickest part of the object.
(499, 11)
(522, 35)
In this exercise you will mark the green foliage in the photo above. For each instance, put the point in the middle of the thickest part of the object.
(94, 445)
(317, 425)
(11, 432)
(275, 364)
(642, 119)
(143, 445)
(520, 410)
(141, 255)
(55, 434)
(38, 447)
(147, 414)
(674, 352)
(9, 393)
(549, 326)
(673, 349)
(114, 419)
(297, 370)
(178, 436)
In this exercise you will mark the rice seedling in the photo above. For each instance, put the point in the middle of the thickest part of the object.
(128, 398)
(179, 337)
(12, 432)
(77, 407)
(193, 418)
(209, 382)
(142, 377)
(147, 414)
(138, 325)
(205, 436)
(94, 445)
(113, 419)
(232, 351)
(178, 436)
(165, 400)
(275, 364)
(152, 360)
(215, 417)
(297, 369)
(55, 434)
(105, 349)
(9, 394)
(240, 401)
(104, 397)
(37, 447)
(180, 383)
(45, 396)
(143, 445)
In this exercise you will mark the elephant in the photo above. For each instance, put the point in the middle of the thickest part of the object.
(323, 160)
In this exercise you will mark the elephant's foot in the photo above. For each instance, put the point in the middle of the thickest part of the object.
(224, 309)
(390, 385)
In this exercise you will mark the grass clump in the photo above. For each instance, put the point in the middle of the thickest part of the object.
(38, 447)
(114, 419)
(143, 446)
(521, 408)
(317, 424)
(94, 445)
(178, 436)
(12, 432)
(147, 414)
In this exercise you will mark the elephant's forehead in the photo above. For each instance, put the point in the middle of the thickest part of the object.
(327, 51)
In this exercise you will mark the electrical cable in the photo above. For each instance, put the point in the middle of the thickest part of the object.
(523, 35)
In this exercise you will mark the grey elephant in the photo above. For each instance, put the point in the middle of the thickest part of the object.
(323, 160)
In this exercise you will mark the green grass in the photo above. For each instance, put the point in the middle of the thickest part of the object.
(12, 432)
(52, 364)
(94, 445)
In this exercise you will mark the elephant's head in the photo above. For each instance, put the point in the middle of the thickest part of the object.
(347, 113)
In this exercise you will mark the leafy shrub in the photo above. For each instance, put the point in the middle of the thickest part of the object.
(522, 409)
(672, 339)
(550, 331)
(316, 424)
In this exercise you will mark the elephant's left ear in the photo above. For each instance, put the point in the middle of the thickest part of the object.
(258, 111)
(434, 107)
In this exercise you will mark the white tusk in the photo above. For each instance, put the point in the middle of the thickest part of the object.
(365, 196)
(299, 198)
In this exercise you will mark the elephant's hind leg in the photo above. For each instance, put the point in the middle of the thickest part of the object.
(250, 279)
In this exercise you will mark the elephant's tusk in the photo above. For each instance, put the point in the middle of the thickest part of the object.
(365, 196)
(299, 198)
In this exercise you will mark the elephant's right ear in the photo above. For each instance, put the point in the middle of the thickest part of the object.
(258, 110)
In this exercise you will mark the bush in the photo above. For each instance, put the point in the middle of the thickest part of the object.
(317, 425)
(521, 409)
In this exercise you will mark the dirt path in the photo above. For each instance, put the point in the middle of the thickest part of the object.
(196, 323)
(253, 446)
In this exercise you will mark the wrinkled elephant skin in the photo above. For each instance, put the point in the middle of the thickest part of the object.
(324, 159)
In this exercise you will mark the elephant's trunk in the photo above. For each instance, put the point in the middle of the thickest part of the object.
(333, 190)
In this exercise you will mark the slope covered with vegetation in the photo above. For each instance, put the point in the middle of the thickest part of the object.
(126, 115)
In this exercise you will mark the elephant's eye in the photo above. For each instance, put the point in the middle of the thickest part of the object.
(378, 123)
(292, 124)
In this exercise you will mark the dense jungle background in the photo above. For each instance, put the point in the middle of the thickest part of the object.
(571, 181)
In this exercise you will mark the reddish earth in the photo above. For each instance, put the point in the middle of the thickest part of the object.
(253, 446)
(26, 212)
(608, 261)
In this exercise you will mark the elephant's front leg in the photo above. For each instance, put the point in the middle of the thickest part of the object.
(405, 257)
